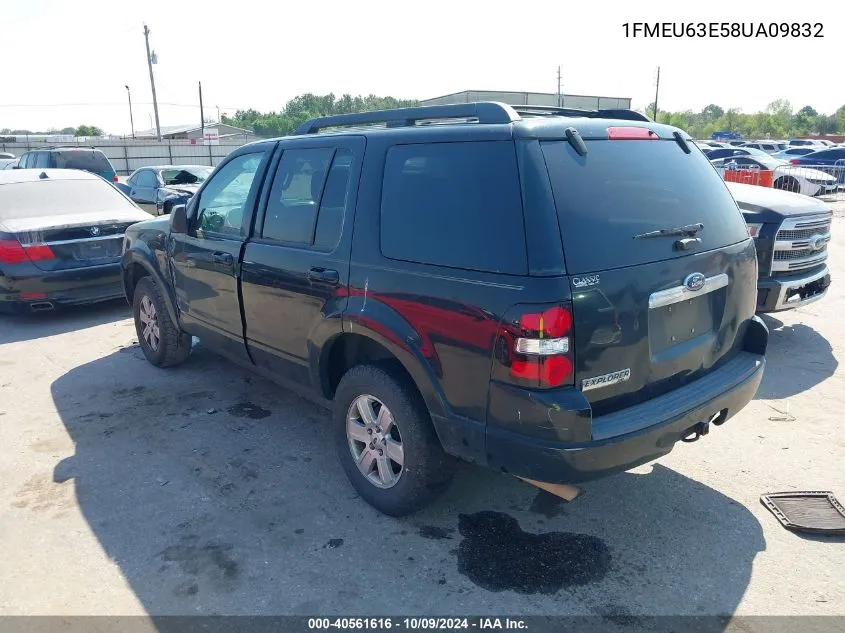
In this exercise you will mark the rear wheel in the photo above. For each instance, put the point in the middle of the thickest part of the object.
(386, 442)
(161, 340)
(787, 183)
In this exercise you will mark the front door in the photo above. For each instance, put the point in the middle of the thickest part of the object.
(296, 267)
(206, 260)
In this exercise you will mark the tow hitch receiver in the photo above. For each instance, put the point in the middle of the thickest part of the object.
(696, 432)
(703, 428)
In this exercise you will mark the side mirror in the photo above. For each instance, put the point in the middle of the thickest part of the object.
(178, 219)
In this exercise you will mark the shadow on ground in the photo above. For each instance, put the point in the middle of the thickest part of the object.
(15, 328)
(217, 492)
(798, 358)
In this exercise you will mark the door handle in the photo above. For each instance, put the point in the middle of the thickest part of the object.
(324, 274)
(223, 258)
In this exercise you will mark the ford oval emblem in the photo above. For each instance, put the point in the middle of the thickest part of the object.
(694, 282)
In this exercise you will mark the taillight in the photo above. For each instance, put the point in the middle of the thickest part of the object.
(13, 252)
(534, 347)
(114, 178)
(794, 161)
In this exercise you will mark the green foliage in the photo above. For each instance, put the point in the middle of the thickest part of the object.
(778, 121)
(308, 106)
(88, 130)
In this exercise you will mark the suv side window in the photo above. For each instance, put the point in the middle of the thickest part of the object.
(454, 204)
(297, 188)
(223, 200)
(42, 160)
(27, 160)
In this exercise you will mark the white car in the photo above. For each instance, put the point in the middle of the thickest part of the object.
(795, 178)
(770, 147)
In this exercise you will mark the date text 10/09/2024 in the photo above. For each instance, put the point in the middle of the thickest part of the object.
(723, 29)
(417, 623)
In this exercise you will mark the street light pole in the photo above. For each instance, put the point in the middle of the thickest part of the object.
(152, 79)
(131, 120)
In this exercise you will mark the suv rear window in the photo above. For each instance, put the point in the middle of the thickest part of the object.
(454, 204)
(88, 161)
(623, 188)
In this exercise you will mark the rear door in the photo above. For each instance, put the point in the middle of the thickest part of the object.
(651, 313)
(296, 269)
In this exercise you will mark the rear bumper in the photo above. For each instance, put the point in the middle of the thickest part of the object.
(633, 436)
(61, 288)
(776, 294)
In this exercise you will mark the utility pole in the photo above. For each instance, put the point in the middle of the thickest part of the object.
(131, 120)
(656, 91)
(152, 80)
(202, 116)
(558, 87)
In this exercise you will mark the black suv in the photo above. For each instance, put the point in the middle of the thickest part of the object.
(554, 294)
(84, 158)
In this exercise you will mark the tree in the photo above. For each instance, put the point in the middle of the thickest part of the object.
(712, 112)
(88, 130)
(807, 111)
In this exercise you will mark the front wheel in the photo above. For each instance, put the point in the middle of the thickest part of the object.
(386, 442)
(787, 183)
(161, 340)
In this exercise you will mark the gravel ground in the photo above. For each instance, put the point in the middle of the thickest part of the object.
(204, 489)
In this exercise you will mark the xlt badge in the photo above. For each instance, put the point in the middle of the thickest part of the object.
(607, 379)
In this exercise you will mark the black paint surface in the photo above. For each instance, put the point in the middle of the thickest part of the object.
(497, 555)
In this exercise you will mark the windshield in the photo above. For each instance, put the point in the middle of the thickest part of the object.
(624, 188)
(185, 175)
(58, 198)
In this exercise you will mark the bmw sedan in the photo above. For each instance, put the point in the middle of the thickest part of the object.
(61, 237)
(157, 189)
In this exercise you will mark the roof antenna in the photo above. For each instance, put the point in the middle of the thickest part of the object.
(43, 175)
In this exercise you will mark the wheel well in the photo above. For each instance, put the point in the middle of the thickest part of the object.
(134, 273)
(349, 350)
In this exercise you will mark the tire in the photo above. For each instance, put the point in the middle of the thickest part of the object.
(171, 346)
(426, 470)
(787, 183)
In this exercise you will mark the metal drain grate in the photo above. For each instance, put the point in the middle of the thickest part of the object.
(808, 511)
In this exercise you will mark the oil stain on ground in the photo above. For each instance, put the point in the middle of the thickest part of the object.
(434, 532)
(497, 555)
(248, 410)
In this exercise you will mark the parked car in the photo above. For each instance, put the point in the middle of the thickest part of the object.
(803, 142)
(831, 161)
(826, 142)
(61, 232)
(807, 181)
(413, 277)
(84, 158)
(768, 147)
(6, 155)
(791, 233)
(733, 151)
(793, 152)
(157, 189)
(6, 162)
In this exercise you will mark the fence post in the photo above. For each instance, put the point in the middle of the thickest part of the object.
(126, 156)
(210, 158)
(170, 151)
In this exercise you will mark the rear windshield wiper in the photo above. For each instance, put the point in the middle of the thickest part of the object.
(689, 230)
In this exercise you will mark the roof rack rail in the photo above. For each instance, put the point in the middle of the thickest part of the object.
(483, 112)
(543, 110)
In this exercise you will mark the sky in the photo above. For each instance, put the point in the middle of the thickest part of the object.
(261, 54)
